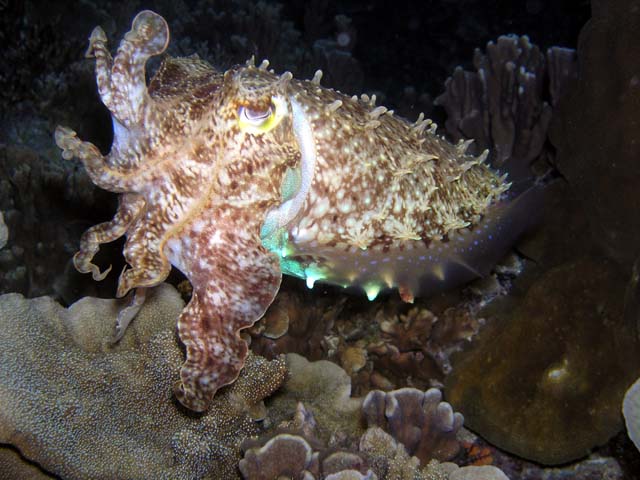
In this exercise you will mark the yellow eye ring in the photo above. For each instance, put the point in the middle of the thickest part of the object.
(257, 120)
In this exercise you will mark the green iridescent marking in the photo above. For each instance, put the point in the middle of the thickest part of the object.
(313, 273)
(277, 241)
(290, 184)
(372, 290)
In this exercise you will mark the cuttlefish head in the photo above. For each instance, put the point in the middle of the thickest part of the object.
(268, 136)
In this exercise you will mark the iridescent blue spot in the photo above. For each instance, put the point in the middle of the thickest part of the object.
(400, 257)
(373, 262)
(475, 242)
(422, 257)
(385, 259)
(490, 237)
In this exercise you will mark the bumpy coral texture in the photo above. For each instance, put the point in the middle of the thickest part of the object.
(237, 177)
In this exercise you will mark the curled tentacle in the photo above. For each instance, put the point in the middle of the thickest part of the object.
(149, 265)
(104, 63)
(100, 172)
(103, 174)
(124, 89)
(129, 208)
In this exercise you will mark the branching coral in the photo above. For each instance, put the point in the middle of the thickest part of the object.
(503, 106)
(421, 421)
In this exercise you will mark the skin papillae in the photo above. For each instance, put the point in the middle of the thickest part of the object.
(235, 178)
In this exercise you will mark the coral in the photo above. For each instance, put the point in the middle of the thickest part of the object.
(606, 93)
(324, 388)
(486, 472)
(15, 467)
(415, 346)
(34, 47)
(631, 412)
(390, 461)
(502, 106)
(382, 345)
(309, 321)
(425, 425)
(292, 456)
(83, 408)
(327, 425)
(545, 378)
(284, 455)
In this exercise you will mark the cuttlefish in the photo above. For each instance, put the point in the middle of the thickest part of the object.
(237, 177)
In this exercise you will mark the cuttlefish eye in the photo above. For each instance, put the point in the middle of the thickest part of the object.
(262, 117)
(254, 116)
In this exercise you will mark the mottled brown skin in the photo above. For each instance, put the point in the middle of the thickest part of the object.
(235, 178)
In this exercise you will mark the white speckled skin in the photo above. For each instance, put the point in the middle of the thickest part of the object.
(235, 178)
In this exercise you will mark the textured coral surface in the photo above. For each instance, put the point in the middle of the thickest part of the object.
(82, 408)
(551, 399)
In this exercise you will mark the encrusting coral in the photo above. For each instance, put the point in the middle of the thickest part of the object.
(83, 408)
(550, 398)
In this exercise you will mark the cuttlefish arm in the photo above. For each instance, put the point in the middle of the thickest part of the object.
(234, 280)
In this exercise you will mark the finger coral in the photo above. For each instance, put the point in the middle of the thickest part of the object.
(502, 106)
(421, 421)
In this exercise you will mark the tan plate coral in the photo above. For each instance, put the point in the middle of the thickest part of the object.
(81, 408)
